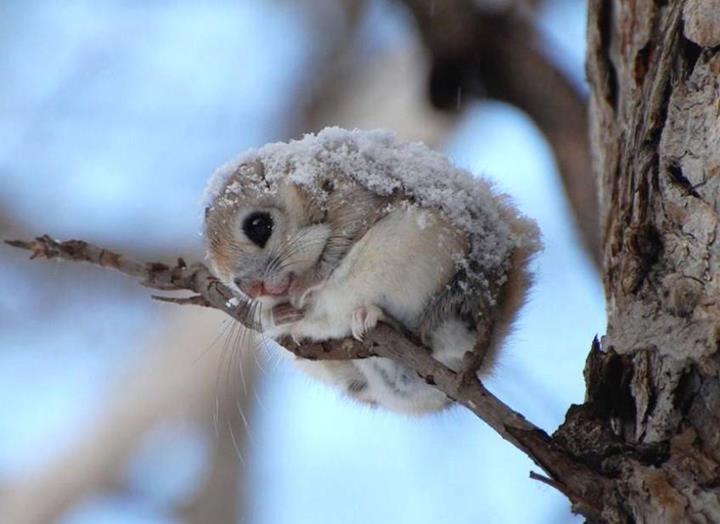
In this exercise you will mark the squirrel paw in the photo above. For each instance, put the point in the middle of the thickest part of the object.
(364, 319)
(280, 320)
(285, 314)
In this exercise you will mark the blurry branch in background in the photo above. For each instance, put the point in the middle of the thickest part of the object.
(370, 89)
(478, 52)
(321, 91)
(173, 380)
(386, 91)
(566, 474)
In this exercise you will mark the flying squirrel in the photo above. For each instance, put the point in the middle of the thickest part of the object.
(337, 231)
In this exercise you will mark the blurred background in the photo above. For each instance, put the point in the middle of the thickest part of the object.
(115, 408)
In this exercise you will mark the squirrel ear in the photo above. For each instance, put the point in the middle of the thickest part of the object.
(301, 207)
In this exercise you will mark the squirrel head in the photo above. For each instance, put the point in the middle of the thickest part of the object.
(262, 234)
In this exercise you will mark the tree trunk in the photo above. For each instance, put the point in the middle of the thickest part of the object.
(651, 420)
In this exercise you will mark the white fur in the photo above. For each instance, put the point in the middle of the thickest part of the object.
(400, 263)
(450, 341)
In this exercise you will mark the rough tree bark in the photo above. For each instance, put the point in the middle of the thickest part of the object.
(652, 417)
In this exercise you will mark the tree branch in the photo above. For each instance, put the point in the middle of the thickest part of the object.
(180, 277)
(573, 478)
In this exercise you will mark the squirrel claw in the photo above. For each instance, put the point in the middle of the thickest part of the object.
(364, 319)
(295, 337)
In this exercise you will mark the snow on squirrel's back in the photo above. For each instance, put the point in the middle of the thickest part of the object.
(386, 166)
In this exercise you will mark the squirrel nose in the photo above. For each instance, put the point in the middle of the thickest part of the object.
(254, 289)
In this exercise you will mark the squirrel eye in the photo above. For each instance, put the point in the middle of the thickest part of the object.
(258, 227)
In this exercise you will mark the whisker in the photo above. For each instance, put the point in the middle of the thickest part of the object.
(224, 371)
(235, 443)
(245, 423)
(289, 247)
(235, 357)
(239, 348)
(216, 416)
(285, 261)
(225, 325)
(260, 403)
(258, 355)
(274, 358)
(222, 381)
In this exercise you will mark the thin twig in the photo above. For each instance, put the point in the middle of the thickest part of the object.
(581, 505)
(181, 277)
(195, 300)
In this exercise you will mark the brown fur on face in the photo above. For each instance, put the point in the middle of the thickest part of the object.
(247, 184)
(246, 190)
